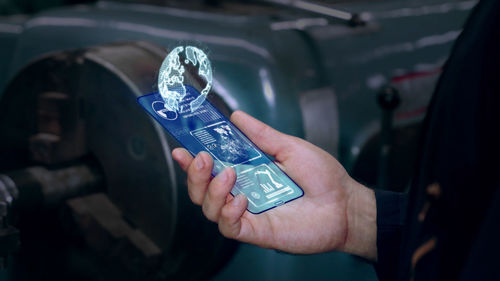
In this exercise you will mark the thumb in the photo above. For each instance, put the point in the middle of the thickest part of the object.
(266, 138)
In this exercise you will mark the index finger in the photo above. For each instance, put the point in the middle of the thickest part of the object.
(183, 157)
(264, 136)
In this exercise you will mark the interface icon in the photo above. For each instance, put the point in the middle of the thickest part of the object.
(159, 108)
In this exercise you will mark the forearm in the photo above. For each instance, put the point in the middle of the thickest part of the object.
(361, 237)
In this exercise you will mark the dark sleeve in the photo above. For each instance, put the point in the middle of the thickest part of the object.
(391, 217)
(482, 262)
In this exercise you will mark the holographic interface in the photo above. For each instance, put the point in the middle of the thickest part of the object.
(206, 129)
(171, 77)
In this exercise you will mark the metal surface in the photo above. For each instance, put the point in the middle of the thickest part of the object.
(320, 9)
(132, 151)
(35, 187)
(9, 235)
(256, 70)
(321, 104)
(304, 74)
(60, 132)
(38, 186)
(108, 233)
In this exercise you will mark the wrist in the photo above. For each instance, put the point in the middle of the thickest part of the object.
(361, 216)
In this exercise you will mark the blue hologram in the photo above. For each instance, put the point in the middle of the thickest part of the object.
(171, 77)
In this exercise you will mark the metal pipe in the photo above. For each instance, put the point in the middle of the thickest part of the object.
(388, 100)
(320, 9)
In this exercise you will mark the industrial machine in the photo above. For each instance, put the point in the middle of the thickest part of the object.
(88, 189)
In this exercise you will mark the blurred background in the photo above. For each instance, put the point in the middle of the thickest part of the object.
(88, 190)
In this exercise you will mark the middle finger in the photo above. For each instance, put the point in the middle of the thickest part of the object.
(199, 176)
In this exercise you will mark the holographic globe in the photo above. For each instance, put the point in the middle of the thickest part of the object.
(171, 76)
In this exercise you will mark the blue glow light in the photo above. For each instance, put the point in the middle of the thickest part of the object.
(171, 77)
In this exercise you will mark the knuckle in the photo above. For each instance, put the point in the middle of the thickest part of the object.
(214, 193)
(191, 179)
(204, 209)
(207, 212)
(264, 131)
(185, 165)
(193, 196)
(224, 216)
(224, 230)
(210, 195)
(228, 223)
(207, 160)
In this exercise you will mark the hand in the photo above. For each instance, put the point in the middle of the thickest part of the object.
(335, 213)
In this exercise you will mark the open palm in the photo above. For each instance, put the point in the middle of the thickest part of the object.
(316, 222)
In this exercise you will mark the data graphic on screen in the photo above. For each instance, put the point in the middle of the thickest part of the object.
(206, 129)
(226, 145)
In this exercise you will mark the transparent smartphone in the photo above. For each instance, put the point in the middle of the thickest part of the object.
(265, 185)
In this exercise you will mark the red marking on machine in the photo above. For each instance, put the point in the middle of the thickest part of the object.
(413, 75)
(416, 90)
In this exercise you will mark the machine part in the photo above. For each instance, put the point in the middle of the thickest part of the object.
(317, 107)
(34, 187)
(9, 235)
(100, 86)
(106, 231)
(60, 135)
(39, 186)
(8, 190)
(415, 90)
(9, 243)
(388, 100)
(401, 159)
(307, 6)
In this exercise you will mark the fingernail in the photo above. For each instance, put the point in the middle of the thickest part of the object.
(175, 154)
(224, 176)
(179, 155)
(237, 200)
(199, 162)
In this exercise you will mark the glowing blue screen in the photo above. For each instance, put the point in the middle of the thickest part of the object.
(206, 129)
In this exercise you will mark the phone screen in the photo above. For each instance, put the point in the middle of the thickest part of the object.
(206, 129)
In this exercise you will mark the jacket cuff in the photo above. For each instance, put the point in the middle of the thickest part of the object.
(391, 218)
